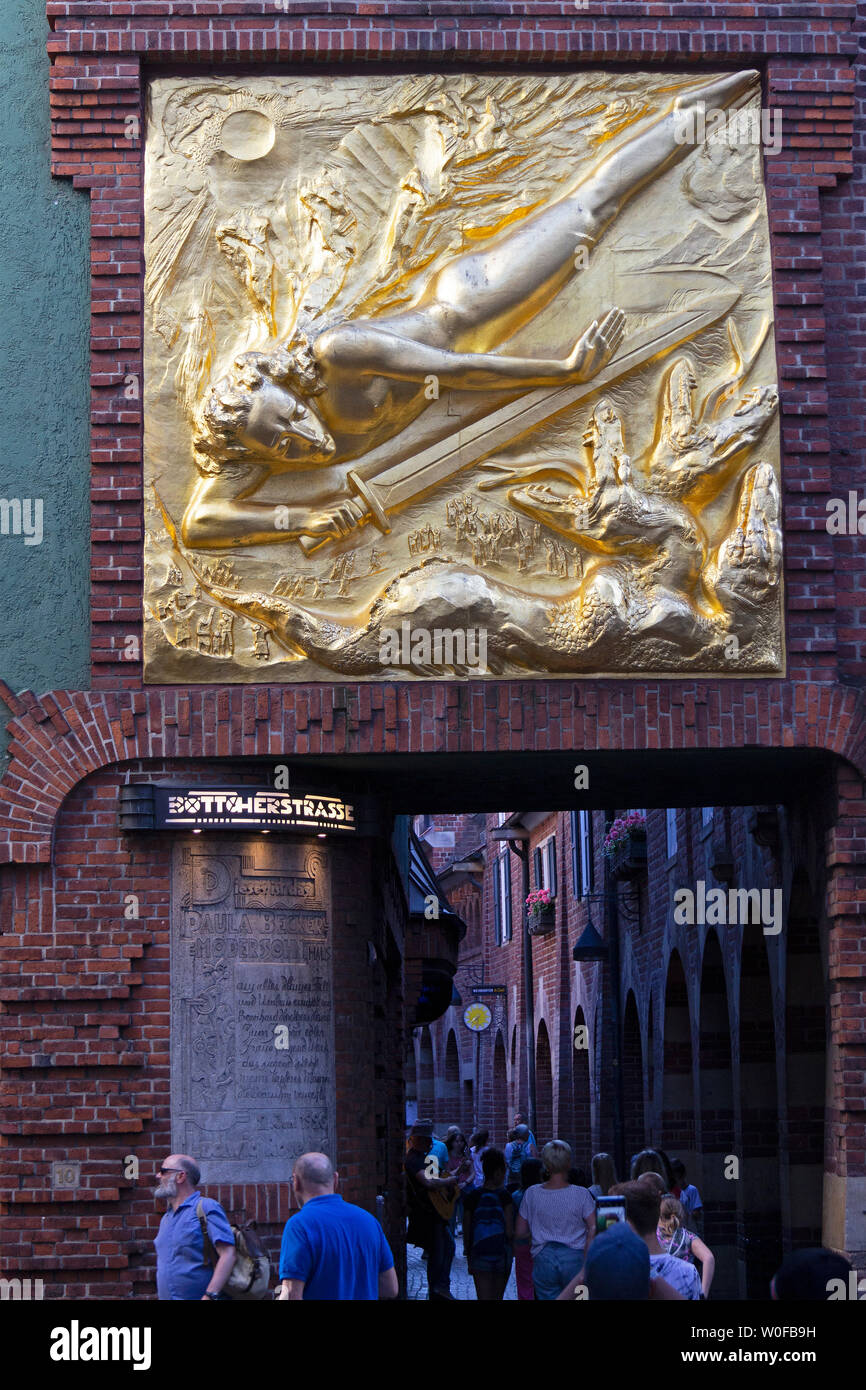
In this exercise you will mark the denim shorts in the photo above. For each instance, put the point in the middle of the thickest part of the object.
(553, 1267)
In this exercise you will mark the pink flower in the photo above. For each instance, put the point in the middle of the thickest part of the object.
(621, 828)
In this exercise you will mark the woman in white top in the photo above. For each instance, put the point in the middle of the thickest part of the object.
(558, 1219)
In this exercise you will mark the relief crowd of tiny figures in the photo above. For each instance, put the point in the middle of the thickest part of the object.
(641, 532)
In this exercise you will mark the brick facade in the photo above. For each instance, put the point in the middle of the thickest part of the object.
(86, 998)
(71, 750)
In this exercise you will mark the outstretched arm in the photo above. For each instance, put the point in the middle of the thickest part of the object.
(220, 515)
(372, 351)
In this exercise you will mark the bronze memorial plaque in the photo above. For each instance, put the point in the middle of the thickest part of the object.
(252, 1047)
(460, 375)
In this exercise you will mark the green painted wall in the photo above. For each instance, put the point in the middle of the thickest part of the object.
(44, 370)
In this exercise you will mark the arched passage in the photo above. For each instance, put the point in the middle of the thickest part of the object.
(515, 1089)
(449, 1107)
(581, 1092)
(651, 1117)
(467, 1122)
(805, 1061)
(501, 1120)
(760, 1208)
(718, 1192)
(411, 1079)
(425, 1076)
(632, 1078)
(543, 1085)
(678, 1099)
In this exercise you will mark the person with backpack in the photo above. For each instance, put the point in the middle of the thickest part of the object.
(516, 1152)
(185, 1268)
(532, 1151)
(488, 1229)
(332, 1250)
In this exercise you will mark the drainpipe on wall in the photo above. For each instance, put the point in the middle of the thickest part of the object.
(518, 843)
(521, 849)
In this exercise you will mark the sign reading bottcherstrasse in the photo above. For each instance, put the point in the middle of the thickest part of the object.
(252, 1051)
(249, 807)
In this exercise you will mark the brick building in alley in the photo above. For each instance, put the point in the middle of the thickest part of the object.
(125, 913)
(720, 1032)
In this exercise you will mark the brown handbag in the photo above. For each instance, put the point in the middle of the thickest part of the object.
(251, 1272)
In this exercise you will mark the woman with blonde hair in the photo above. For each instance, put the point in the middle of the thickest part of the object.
(558, 1219)
(674, 1239)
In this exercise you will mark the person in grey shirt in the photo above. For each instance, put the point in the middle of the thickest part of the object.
(558, 1218)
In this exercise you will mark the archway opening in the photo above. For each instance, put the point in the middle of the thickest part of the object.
(426, 1076)
(411, 1079)
(760, 1206)
(634, 1128)
(449, 1106)
(581, 1094)
(805, 1061)
(678, 1097)
(543, 1085)
(718, 1139)
(501, 1119)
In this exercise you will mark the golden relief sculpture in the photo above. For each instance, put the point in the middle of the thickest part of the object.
(463, 353)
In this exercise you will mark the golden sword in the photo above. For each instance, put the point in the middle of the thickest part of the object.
(383, 489)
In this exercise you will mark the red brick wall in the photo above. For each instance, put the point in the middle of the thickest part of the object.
(86, 998)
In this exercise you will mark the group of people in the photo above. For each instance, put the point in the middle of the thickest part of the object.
(565, 1239)
(539, 1213)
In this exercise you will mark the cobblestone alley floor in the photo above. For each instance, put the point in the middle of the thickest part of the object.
(462, 1286)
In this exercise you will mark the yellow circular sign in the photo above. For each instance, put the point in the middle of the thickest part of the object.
(477, 1017)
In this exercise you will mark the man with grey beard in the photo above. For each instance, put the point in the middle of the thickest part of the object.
(182, 1269)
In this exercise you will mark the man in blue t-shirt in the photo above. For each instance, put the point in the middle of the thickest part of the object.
(332, 1249)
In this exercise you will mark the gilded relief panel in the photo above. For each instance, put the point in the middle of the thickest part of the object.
(455, 375)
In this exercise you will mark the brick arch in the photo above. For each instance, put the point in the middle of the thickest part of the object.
(678, 1100)
(60, 738)
(634, 1125)
(759, 1190)
(543, 1084)
(501, 1116)
(718, 1121)
(581, 1093)
(807, 1030)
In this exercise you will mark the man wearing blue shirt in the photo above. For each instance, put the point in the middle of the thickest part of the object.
(181, 1268)
(332, 1249)
(532, 1147)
